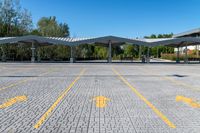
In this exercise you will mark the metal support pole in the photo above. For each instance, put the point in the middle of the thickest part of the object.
(157, 52)
(3, 57)
(110, 52)
(33, 53)
(72, 60)
(186, 55)
(178, 55)
(140, 52)
(148, 55)
(38, 56)
(197, 49)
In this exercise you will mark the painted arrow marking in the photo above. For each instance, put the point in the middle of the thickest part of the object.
(101, 101)
(12, 101)
(193, 103)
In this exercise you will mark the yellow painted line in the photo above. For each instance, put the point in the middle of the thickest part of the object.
(189, 101)
(22, 81)
(60, 98)
(12, 101)
(159, 113)
(181, 84)
(101, 101)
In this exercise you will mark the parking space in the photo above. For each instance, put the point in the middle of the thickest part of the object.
(99, 98)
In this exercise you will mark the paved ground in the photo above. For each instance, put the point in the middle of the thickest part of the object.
(104, 98)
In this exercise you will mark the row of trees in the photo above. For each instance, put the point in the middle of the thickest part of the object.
(159, 50)
(17, 21)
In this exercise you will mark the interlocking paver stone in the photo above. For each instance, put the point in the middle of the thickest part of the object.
(77, 112)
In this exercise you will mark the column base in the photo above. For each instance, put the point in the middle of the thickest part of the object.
(148, 60)
(109, 60)
(143, 59)
(186, 61)
(177, 61)
(39, 60)
(33, 59)
(3, 58)
(72, 60)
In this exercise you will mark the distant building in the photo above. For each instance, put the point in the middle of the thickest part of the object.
(191, 33)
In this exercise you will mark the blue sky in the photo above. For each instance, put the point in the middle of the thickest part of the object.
(126, 18)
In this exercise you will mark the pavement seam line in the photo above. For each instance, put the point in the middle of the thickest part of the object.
(15, 84)
(22, 81)
(159, 113)
(174, 81)
(180, 83)
(59, 99)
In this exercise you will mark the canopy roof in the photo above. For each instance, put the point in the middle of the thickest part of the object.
(177, 42)
(190, 33)
(32, 38)
(72, 41)
(173, 42)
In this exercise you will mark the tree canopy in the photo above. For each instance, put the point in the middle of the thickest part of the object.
(48, 26)
(154, 36)
(159, 50)
(14, 20)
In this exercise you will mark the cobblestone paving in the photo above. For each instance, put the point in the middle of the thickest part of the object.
(77, 112)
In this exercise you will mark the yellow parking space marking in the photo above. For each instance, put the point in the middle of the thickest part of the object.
(12, 101)
(189, 101)
(101, 101)
(22, 81)
(60, 98)
(159, 113)
(182, 84)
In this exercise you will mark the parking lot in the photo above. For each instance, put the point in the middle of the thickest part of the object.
(99, 98)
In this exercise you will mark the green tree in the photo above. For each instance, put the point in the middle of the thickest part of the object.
(157, 51)
(50, 27)
(14, 21)
(129, 50)
(100, 52)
